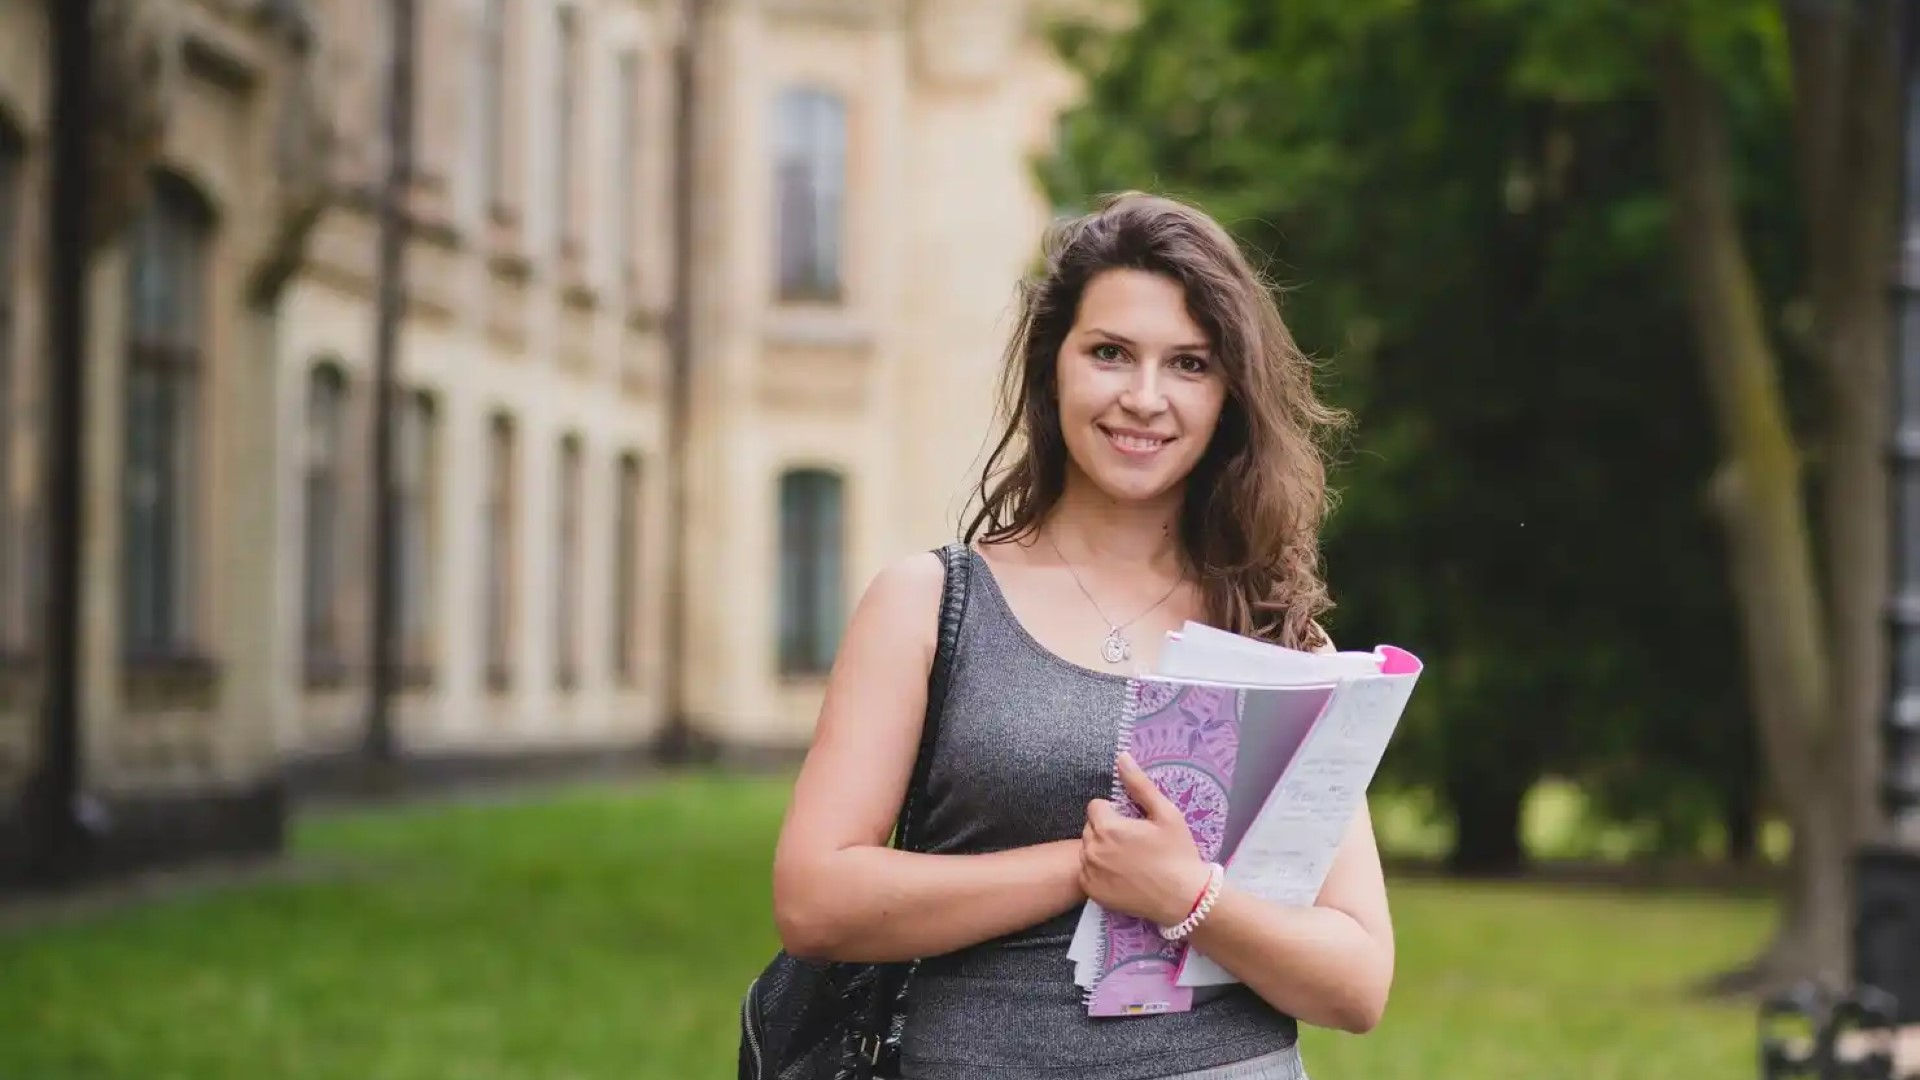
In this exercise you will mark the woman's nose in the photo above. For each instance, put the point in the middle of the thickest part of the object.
(1144, 395)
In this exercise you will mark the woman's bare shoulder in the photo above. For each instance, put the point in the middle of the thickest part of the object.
(904, 597)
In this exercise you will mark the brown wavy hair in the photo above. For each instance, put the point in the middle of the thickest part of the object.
(1254, 504)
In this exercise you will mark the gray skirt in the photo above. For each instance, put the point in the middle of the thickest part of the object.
(1280, 1065)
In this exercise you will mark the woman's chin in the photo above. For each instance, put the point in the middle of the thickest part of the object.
(1127, 486)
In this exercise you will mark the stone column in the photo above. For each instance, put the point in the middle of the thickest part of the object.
(972, 227)
(729, 208)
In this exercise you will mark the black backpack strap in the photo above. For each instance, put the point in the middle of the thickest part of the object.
(876, 1035)
(958, 561)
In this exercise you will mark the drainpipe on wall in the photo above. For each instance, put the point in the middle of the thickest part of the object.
(680, 737)
(53, 820)
(381, 747)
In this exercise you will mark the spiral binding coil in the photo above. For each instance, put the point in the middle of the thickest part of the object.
(1129, 714)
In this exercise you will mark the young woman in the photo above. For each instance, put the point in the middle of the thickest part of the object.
(1160, 462)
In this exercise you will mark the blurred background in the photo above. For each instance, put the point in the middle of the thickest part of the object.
(580, 361)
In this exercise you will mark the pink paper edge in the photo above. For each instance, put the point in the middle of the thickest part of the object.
(1397, 661)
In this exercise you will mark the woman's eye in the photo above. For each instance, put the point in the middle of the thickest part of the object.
(1109, 353)
(1191, 364)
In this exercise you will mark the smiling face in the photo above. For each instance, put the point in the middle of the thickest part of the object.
(1140, 390)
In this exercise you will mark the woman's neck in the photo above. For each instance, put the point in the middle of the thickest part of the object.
(1094, 530)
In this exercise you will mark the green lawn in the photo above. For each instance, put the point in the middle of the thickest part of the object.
(608, 934)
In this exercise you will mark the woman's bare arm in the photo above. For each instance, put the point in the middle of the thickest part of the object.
(1330, 965)
(838, 891)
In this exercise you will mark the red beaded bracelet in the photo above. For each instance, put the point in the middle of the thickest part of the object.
(1216, 876)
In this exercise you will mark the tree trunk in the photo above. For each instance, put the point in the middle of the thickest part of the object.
(1852, 195)
(1486, 816)
(1812, 939)
(1762, 509)
(1857, 527)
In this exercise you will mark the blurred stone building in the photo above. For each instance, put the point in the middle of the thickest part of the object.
(194, 224)
(861, 206)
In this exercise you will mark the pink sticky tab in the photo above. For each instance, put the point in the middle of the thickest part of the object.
(1397, 661)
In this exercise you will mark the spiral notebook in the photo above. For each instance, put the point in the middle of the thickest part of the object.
(1268, 752)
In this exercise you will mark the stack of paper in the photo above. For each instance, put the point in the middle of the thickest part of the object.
(1269, 751)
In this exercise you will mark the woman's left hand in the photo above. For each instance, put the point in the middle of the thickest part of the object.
(1146, 867)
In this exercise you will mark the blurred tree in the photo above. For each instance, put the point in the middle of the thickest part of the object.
(1811, 608)
(1802, 499)
(1513, 215)
(1489, 267)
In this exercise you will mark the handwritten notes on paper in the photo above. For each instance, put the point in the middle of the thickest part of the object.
(1286, 852)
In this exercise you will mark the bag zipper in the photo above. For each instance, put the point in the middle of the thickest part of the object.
(746, 1024)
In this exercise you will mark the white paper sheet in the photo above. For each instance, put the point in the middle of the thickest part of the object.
(1203, 652)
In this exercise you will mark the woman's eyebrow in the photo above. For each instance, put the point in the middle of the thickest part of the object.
(1122, 339)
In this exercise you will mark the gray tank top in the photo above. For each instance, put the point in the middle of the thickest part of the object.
(1026, 740)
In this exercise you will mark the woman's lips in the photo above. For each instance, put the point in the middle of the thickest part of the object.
(1135, 443)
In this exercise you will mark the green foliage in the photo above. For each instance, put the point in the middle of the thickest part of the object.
(607, 935)
(1464, 202)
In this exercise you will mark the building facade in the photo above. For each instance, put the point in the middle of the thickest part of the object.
(872, 207)
(861, 207)
(532, 361)
(177, 562)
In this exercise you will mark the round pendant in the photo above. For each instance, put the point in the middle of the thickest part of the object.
(1116, 650)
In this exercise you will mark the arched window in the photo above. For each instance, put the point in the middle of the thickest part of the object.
(810, 167)
(812, 556)
(161, 473)
(322, 527)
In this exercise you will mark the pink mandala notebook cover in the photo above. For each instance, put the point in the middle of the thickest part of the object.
(1287, 764)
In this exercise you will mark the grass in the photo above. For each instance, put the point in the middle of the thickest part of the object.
(605, 933)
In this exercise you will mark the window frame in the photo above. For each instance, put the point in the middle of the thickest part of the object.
(569, 496)
(812, 514)
(568, 61)
(628, 512)
(810, 177)
(492, 104)
(629, 74)
(323, 636)
(499, 510)
(171, 358)
(416, 497)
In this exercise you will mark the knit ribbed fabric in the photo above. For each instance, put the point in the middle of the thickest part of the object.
(1026, 740)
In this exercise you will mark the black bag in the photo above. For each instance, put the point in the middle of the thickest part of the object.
(808, 1020)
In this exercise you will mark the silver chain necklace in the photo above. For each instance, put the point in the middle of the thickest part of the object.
(1117, 649)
